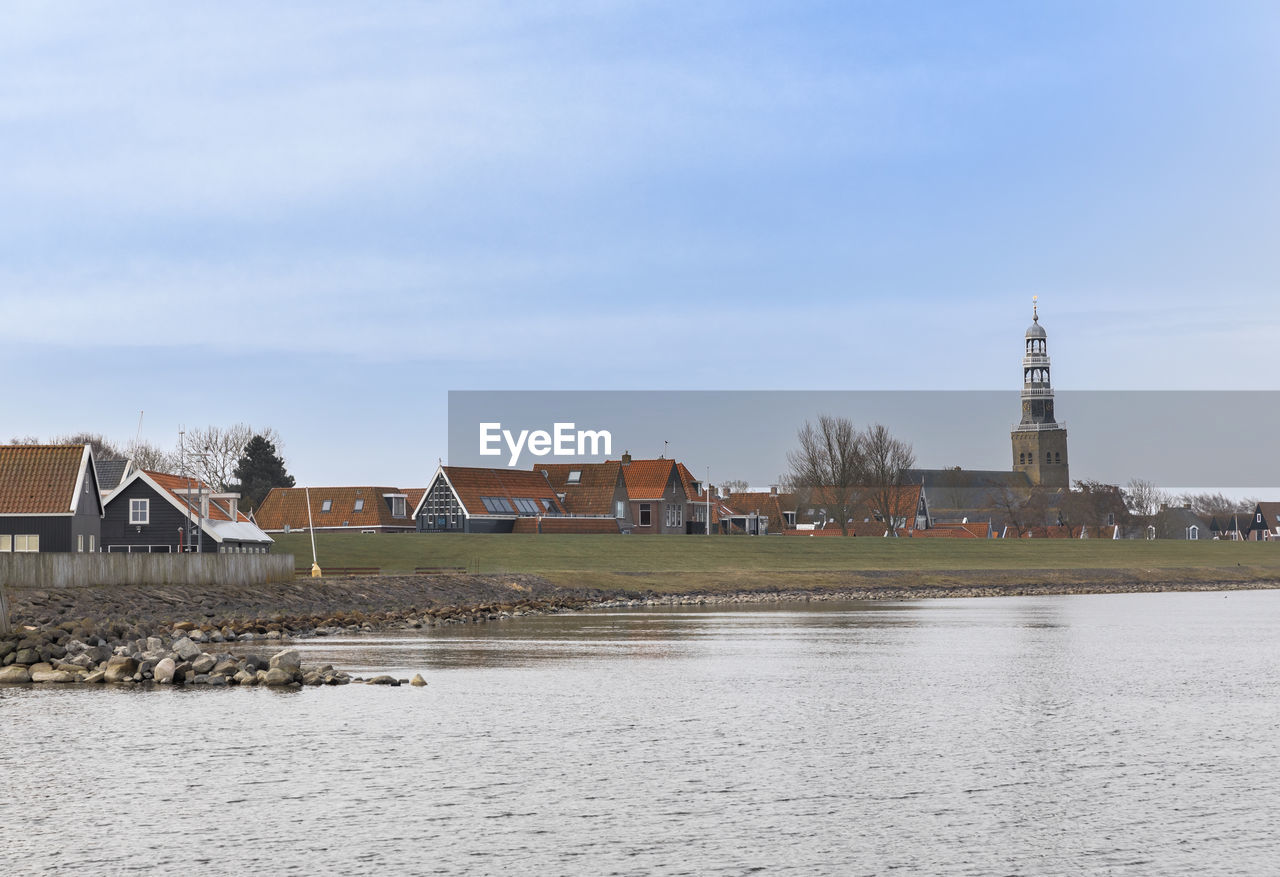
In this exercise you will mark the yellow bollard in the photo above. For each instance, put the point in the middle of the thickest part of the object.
(315, 570)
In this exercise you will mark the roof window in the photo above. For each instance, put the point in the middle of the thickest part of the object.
(496, 505)
(326, 505)
(575, 476)
(359, 505)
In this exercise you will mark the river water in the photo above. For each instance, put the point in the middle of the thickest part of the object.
(1058, 735)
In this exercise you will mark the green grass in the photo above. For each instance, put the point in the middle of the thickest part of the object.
(690, 563)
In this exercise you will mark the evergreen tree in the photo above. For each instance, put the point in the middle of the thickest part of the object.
(259, 470)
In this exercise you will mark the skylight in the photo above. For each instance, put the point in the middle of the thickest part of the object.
(575, 476)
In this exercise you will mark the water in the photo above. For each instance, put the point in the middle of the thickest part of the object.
(1099, 734)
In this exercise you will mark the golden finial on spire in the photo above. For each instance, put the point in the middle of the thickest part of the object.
(1035, 309)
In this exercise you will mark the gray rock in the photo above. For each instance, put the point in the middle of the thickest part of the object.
(51, 675)
(384, 680)
(27, 657)
(119, 668)
(245, 677)
(154, 644)
(417, 681)
(225, 668)
(204, 663)
(289, 660)
(164, 671)
(185, 649)
(95, 677)
(276, 677)
(7, 647)
(217, 680)
(273, 634)
(15, 673)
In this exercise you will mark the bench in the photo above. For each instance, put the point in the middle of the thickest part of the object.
(438, 570)
(341, 570)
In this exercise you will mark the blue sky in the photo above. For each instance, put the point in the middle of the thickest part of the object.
(322, 216)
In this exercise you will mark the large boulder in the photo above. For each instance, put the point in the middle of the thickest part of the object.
(289, 660)
(277, 676)
(14, 673)
(203, 664)
(27, 656)
(52, 675)
(119, 668)
(164, 671)
(185, 649)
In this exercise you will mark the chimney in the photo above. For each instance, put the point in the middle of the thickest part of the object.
(626, 458)
(233, 501)
(1164, 507)
(773, 490)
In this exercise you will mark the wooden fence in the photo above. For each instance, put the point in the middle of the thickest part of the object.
(19, 571)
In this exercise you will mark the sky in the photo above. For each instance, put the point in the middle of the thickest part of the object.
(323, 217)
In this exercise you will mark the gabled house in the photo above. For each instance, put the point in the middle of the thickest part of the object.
(590, 489)
(49, 499)
(908, 508)
(1265, 525)
(462, 499)
(339, 509)
(155, 512)
(657, 495)
(1231, 526)
(1174, 523)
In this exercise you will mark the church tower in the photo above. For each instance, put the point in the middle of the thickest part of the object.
(1039, 441)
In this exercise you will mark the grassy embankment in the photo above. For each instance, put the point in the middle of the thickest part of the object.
(691, 564)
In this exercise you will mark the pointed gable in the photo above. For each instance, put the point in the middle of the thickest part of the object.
(44, 479)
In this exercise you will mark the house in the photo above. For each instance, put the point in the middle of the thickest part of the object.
(462, 499)
(907, 507)
(111, 472)
(1176, 523)
(590, 489)
(49, 499)
(1265, 525)
(339, 509)
(657, 495)
(1231, 526)
(759, 512)
(156, 512)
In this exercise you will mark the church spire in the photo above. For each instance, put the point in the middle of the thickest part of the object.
(1039, 441)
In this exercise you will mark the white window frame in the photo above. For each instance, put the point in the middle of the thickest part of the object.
(6, 543)
(398, 509)
(30, 543)
(136, 505)
(93, 544)
(646, 512)
(79, 543)
(359, 506)
(326, 505)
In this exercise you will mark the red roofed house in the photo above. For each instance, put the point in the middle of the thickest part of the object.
(339, 509)
(593, 489)
(462, 499)
(758, 513)
(155, 512)
(657, 495)
(49, 499)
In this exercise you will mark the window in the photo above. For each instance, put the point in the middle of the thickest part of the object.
(139, 511)
(675, 515)
(359, 505)
(93, 544)
(26, 543)
(1193, 532)
(549, 505)
(6, 543)
(1057, 457)
(326, 505)
(1048, 457)
(496, 505)
(526, 506)
(619, 509)
(575, 476)
(80, 543)
(397, 506)
(646, 513)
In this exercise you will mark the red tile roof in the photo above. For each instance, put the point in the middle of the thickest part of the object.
(593, 493)
(647, 479)
(470, 484)
(288, 506)
(40, 479)
(566, 525)
(178, 484)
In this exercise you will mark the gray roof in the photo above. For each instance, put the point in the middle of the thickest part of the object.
(973, 494)
(110, 473)
(1035, 330)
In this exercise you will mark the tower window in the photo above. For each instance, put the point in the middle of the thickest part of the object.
(1057, 457)
(1048, 457)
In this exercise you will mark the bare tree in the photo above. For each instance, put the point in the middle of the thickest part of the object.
(1012, 504)
(211, 454)
(1143, 498)
(829, 466)
(102, 447)
(151, 457)
(885, 460)
(735, 485)
(1216, 505)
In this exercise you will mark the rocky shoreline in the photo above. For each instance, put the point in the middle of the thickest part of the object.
(177, 635)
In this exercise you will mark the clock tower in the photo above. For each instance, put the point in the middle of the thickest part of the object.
(1039, 441)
